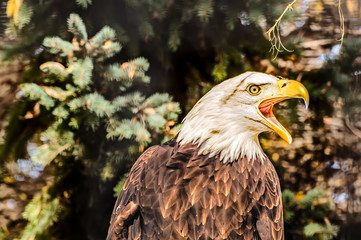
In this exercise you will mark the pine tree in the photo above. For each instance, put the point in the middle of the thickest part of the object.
(305, 215)
(93, 119)
(216, 32)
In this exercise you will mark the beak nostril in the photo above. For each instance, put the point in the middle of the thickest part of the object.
(284, 85)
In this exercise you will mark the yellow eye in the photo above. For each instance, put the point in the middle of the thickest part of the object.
(254, 89)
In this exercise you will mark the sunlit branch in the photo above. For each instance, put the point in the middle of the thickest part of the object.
(342, 24)
(274, 33)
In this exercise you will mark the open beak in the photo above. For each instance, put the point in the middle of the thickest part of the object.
(287, 89)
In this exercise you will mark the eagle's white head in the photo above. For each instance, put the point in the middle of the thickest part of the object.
(228, 119)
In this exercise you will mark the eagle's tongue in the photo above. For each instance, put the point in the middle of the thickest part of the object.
(266, 106)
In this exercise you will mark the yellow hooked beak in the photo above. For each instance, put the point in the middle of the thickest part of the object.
(286, 89)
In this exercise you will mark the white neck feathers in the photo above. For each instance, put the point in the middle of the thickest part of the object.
(219, 130)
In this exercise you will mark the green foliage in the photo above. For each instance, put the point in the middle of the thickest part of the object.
(77, 27)
(346, 80)
(84, 3)
(35, 92)
(54, 68)
(42, 212)
(305, 215)
(98, 105)
(127, 129)
(205, 10)
(20, 16)
(289, 202)
(120, 184)
(57, 45)
(219, 72)
(318, 231)
(318, 197)
(83, 72)
(130, 100)
(2, 234)
(89, 115)
(55, 143)
(174, 37)
(204, 28)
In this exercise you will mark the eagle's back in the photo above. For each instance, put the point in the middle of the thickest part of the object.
(174, 193)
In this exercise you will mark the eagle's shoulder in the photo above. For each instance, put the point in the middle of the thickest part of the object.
(125, 219)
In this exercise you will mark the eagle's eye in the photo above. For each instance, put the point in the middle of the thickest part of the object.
(254, 89)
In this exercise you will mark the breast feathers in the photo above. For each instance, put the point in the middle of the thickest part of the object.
(175, 193)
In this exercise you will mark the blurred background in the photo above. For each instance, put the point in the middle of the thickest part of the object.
(87, 85)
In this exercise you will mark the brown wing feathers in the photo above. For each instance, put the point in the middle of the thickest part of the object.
(174, 193)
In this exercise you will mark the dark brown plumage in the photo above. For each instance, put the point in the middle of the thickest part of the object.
(174, 193)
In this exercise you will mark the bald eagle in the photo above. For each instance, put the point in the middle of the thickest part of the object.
(212, 181)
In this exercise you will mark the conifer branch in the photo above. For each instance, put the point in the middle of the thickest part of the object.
(77, 27)
(84, 3)
(57, 45)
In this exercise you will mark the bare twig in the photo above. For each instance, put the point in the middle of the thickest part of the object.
(274, 33)
(342, 24)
